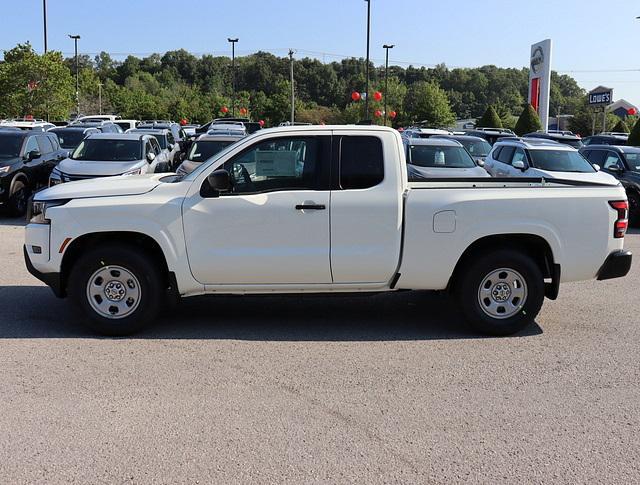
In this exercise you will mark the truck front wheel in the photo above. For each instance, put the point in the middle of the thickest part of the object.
(118, 287)
(501, 292)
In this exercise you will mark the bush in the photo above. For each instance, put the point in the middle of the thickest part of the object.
(528, 122)
(621, 127)
(490, 119)
(634, 137)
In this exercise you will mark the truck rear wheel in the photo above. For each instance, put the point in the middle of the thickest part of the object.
(501, 293)
(118, 287)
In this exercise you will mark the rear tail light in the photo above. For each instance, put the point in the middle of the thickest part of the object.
(622, 222)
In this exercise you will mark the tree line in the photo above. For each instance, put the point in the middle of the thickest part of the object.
(178, 84)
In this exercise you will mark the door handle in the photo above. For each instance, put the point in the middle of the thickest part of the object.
(310, 207)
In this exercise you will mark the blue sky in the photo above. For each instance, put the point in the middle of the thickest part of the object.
(600, 37)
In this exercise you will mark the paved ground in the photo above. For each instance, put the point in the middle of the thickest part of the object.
(391, 388)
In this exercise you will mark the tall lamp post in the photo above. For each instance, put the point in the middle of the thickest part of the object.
(366, 84)
(233, 74)
(75, 42)
(44, 19)
(386, 47)
(293, 90)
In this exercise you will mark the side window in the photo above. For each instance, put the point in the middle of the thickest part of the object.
(613, 161)
(155, 146)
(148, 148)
(506, 154)
(31, 145)
(170, 139)
(277, 164)
(45, 144)
(361, 162)
(597, 157)
(54, 142)
(519, 156)
(496, 153)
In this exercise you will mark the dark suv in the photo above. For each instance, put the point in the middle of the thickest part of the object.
(623, 163)
(492, 135)
(605, 139)
(26, 160)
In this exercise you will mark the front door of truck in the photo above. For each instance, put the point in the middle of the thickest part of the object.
(273, 226)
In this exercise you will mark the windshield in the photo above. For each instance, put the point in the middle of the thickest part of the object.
(10, 146)
(633, 160)
(108, 150)
(477, 148)
(560, 161)
(203, 150)
(439, 156)
(69, 138)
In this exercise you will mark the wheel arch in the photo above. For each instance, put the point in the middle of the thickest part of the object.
(19, 176)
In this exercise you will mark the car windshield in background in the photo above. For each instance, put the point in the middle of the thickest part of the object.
(108, 150)
(477, 148)
(69, 138)
(203, 150)
(10, 146)
(439, 157)
(560, 161)
(633, 160)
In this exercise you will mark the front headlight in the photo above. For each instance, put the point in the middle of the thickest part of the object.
(137, 171)
(38, 210)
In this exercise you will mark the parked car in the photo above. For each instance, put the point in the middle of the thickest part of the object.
(492, 135)
(623, 163)
(108, 154)
(170, 148)
(177, 132)
(321, 210)
(541, 158)
(429, 158)
(420, 132)
(227, 128)
(103, 126)
(249, 126)
(28, 124)
(26, 159)
(70, 137)
(93, 118)
(190, 130)
(477, 147)
(566, 137)
(605, 139)
(126, 124)
(205, 147)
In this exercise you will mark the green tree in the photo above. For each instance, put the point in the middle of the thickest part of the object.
(53, 94)
(528, 122)
(490, 119)
(621, 127)
(634, 136)
(427, 102)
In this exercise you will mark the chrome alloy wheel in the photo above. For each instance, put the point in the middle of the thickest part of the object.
(113, 292)
(502, 293)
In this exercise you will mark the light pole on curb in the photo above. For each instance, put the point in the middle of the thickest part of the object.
(233, 74)
(386, 47)
(44, 20)
(293, 90)
(366, 84)
(100, 97)
(75, 42)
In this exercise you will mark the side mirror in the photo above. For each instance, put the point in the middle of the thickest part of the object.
(480, 162)
(151, 157)
(519, 164)
(220, 180)
(33, 154)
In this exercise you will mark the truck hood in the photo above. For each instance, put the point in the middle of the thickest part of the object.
(97, 168)
(102, 187)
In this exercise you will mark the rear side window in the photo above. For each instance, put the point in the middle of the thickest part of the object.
(506, 154)
(496, 153)
(361, 162)
(54, 141)
(596, 156)
(45, 144)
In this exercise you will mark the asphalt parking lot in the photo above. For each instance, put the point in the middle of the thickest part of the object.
(391, 388)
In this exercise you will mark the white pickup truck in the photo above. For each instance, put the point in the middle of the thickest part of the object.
(315, 209)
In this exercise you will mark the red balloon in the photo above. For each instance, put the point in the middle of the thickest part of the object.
(183, 121)
(356, 96)
(261, 122)
(377, 113)
(632, 111)
(401, 129)
(377, 95)
(224, 109)
(393, 114)
(243, 111)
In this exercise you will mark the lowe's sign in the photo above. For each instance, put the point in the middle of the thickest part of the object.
(601, 96)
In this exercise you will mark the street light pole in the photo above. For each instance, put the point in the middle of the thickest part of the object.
(100, 96)
(44, 18)
(366, 85)
(386, 78)
(233, 73)
(293, 90)
(75, 42)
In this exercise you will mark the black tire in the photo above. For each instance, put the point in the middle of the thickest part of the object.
(18, 199)
(634, 209)
(468, 292)
(149, 279)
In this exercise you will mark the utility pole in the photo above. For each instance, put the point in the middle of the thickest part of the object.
(75, 42)
(100, 96)
(386, 78)
(366, 85)
(293, 89)
(44, 18)
(233, 72)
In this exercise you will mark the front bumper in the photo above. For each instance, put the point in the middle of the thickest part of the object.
(616, 265)
(52, 280)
